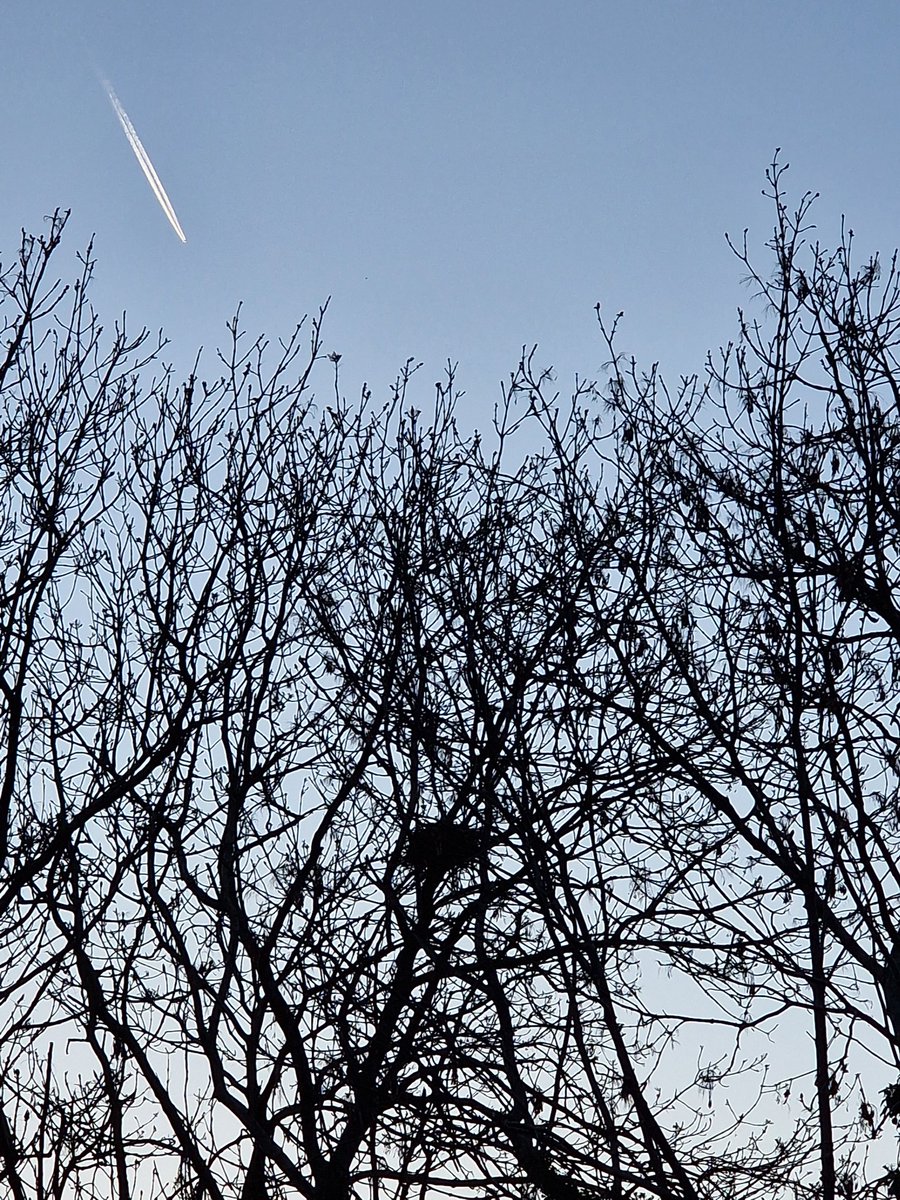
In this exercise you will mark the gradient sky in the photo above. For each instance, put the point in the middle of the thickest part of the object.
(461, 178)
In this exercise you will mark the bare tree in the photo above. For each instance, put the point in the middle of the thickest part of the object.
(757, 651)
(390, 813)
(67, 404)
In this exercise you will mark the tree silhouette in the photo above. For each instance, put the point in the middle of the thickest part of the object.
(392, 812)
(765, 585)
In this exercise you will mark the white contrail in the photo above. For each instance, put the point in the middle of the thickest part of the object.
(144, 159)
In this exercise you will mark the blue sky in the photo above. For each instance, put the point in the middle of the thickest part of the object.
(461, 178)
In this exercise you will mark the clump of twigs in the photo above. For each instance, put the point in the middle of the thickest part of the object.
(440, 848)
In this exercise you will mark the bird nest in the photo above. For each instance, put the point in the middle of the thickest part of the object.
(442, 847)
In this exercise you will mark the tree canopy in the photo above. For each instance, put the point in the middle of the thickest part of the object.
(390, 812)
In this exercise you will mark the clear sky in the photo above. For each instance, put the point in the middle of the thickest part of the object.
(461, 178)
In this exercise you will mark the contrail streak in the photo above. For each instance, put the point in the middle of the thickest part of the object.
(144, 159)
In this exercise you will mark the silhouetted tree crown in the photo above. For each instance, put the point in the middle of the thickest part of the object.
(389, 812)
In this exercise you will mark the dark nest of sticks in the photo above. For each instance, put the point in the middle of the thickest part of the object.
(440, 848)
